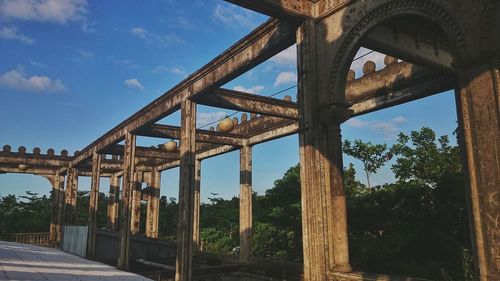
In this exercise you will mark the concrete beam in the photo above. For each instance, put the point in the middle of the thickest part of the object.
(410, 48)
(261, 44)
(145, 152)
(168, 166)
(281, 129)
(218, 150)
(289, 10)
(391, 98)
(42, 171)
(32, 159)
(174, 132)
(246, 102)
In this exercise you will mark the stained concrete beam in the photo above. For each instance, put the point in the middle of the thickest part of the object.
(205, 136)
(31, 159)
(144, 152)
(289, 10)
(412, 48)
(247, 102)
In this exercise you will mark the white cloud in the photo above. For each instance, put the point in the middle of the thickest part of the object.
(203, 118)
(252, 90)
(287, 57)
(233, 16)
(356, 123)
(120, 61)
(388, 128)
(160, 41)
(37, 63)
(178, 70)
(16, 80)
(86, 54)
(285, 78)
(139, 32)
(399, 120)
(57, 11)
(11, 33)
(133, 83)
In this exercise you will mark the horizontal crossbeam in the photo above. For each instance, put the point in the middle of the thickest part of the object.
(288, 10)
(174, 132)
(409, 48)
(146, 152)
(246, 102)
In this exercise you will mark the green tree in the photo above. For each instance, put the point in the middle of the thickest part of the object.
(353, 187)
(168, 218)
(372, 156)
(420, 158)
(277, 219)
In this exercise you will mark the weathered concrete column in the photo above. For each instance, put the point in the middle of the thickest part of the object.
(478, 102)
(57, 182)
(93, 203)
(136, 204)
(114, 191)
(125, 202)
(324, 230)
(196, 205)
(187, 183)
(245, 203)
(335, 190)
(71, 193)
(153, 207)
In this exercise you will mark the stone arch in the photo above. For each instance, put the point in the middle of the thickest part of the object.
(490, 20)
(425, 9)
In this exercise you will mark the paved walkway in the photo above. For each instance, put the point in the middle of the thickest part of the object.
(28, 262)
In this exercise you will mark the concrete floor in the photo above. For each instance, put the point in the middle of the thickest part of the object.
(28, 262)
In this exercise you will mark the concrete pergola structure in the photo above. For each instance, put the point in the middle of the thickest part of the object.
(443, 44)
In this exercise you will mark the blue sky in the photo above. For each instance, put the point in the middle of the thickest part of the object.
(71, 70)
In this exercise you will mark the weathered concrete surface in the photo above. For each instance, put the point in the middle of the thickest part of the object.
(93, 203)
(28, 262)
(125, 202)
(114, 197)
(245, 203)
(153, 205)
(187, 185)
(478, 101)
(197, 207)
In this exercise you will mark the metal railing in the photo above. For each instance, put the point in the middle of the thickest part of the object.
(39, 238)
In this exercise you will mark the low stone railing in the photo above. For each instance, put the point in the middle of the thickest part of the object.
(39, 238)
